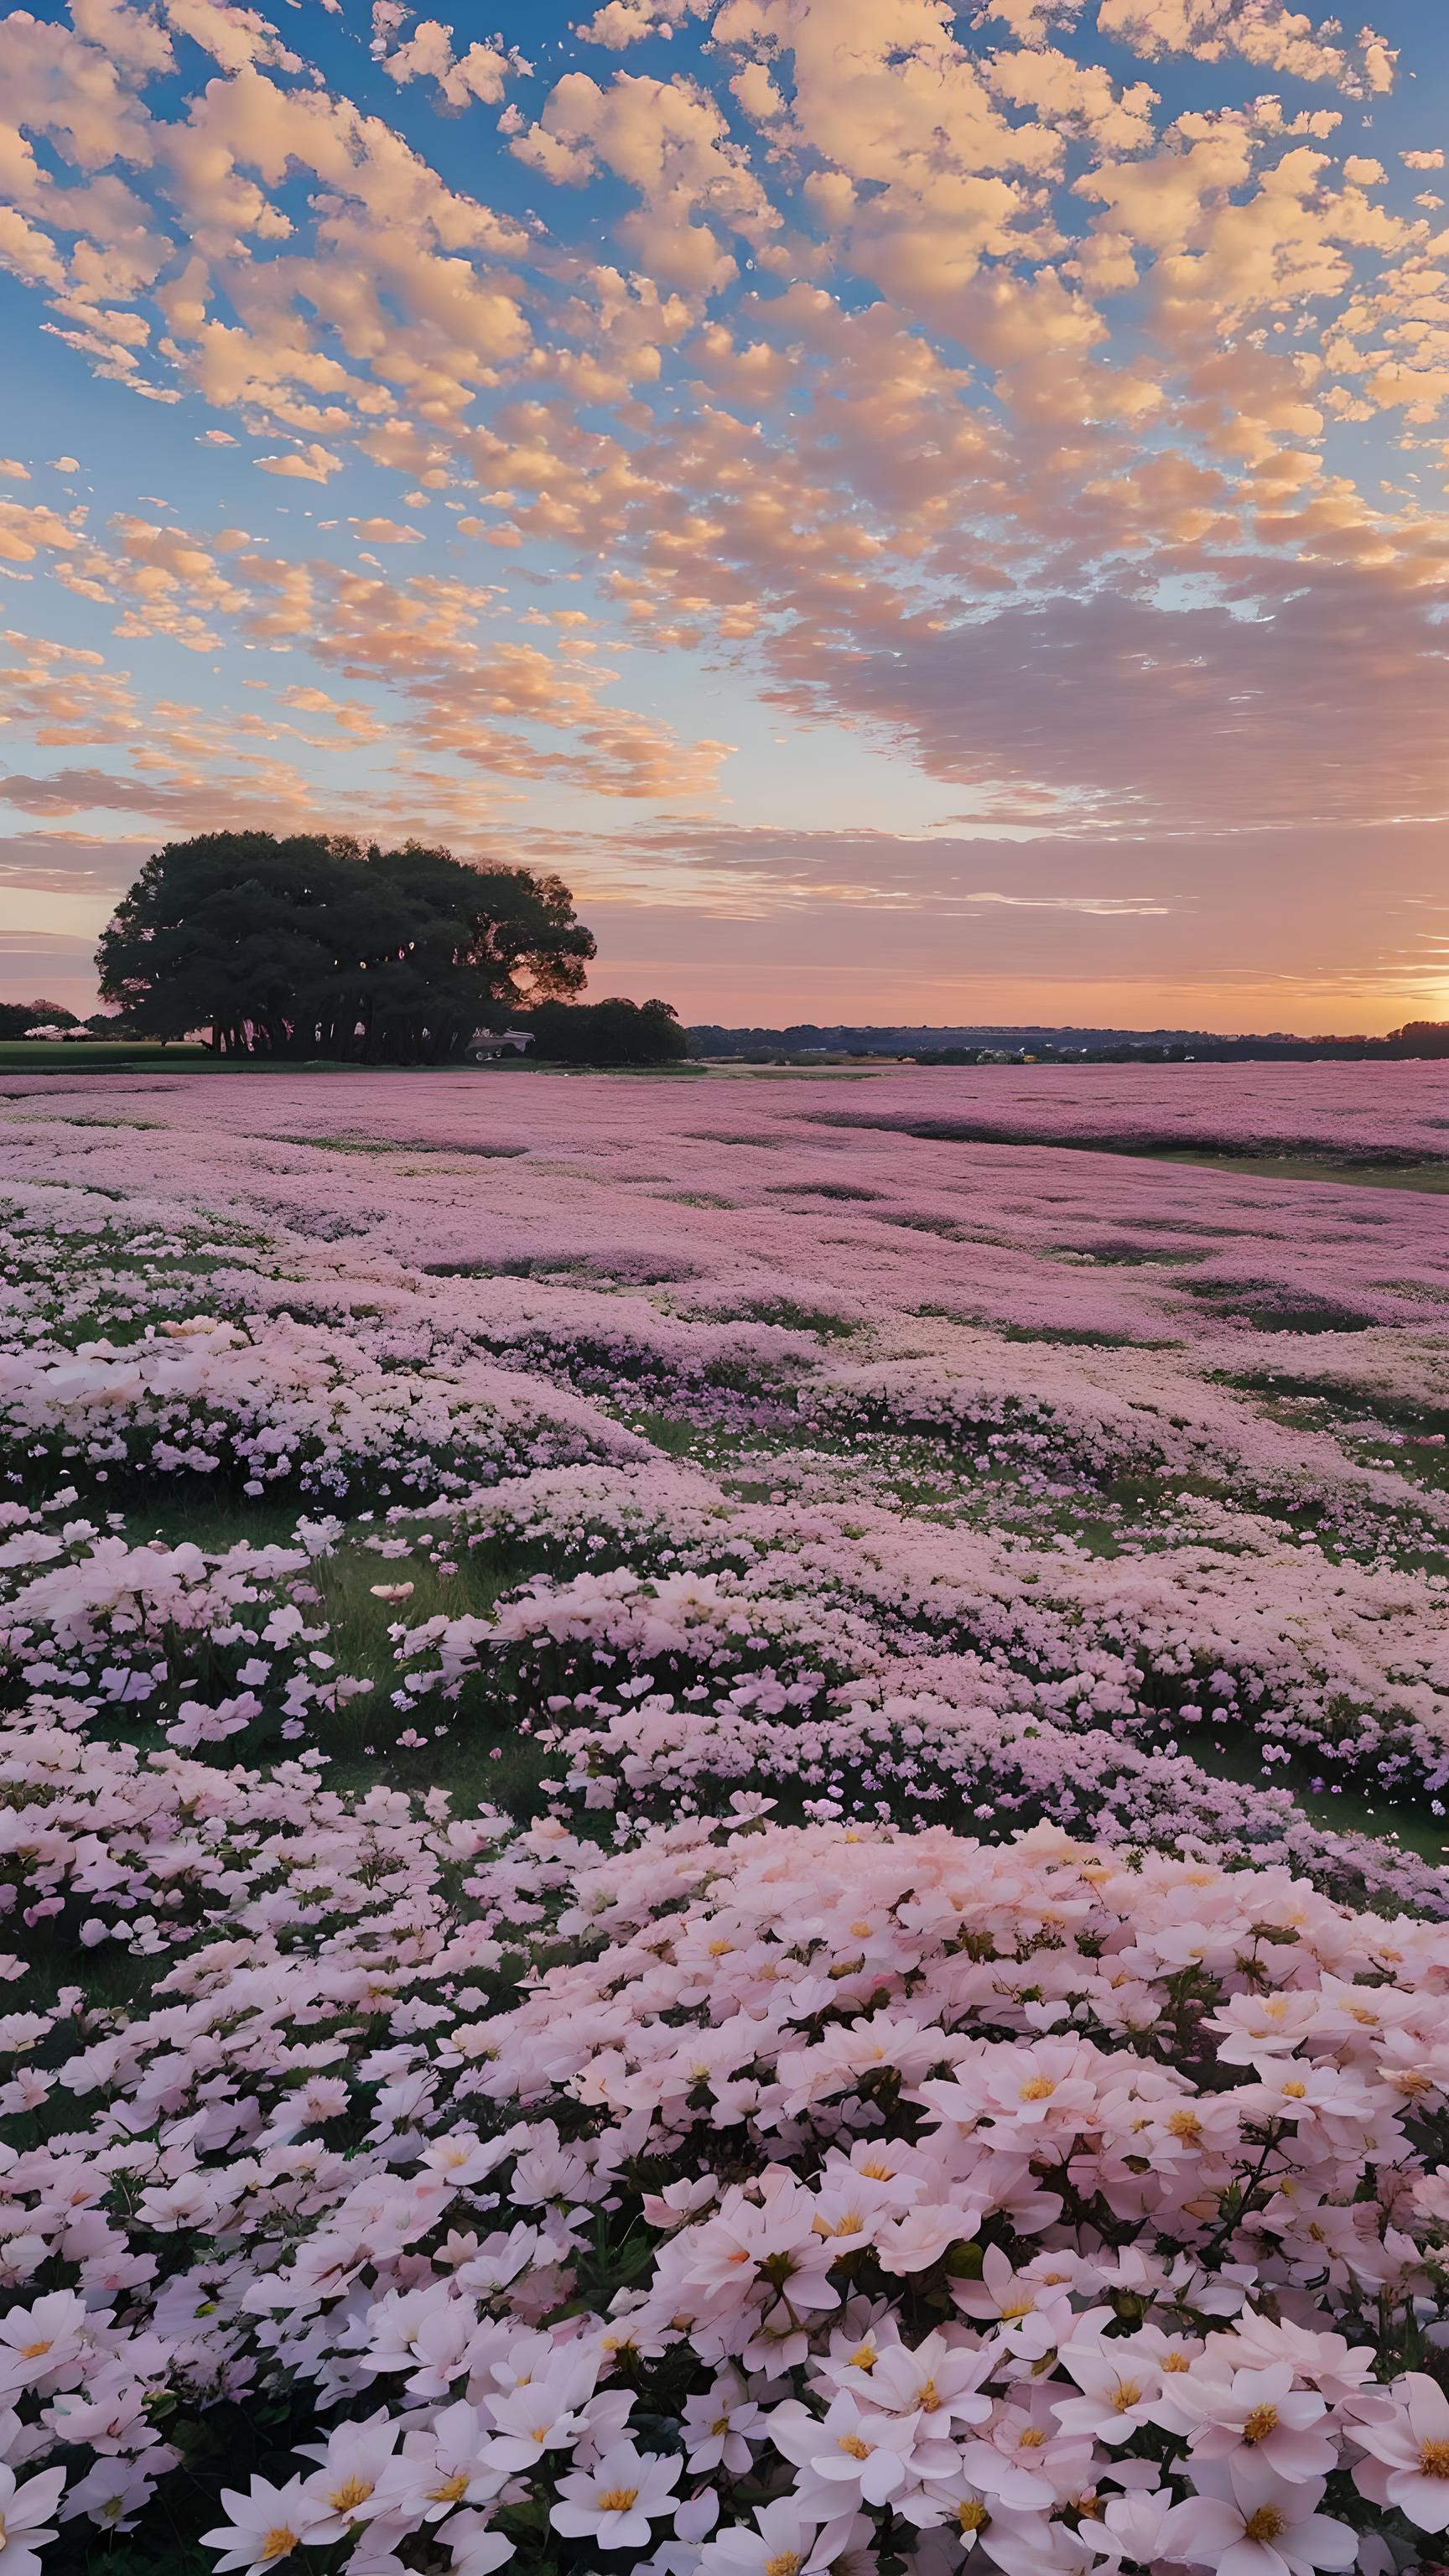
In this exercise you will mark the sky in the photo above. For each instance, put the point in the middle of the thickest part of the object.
(916, 514)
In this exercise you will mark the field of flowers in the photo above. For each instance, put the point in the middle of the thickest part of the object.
(723, 1823)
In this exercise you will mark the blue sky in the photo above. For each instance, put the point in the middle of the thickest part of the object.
(916, 513)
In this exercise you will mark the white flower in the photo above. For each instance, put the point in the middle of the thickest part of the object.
(850, 2454)
(477, 2549)
(715, 2427)
(266, 2525)
(38, 2341)
(785, 2541)
(539, 2416)
(1257, 2411)
(345, 2486)
(1248, 2521)
(614, 2504)
(1118, 2389)
(23, 2511)
(1409, 2468)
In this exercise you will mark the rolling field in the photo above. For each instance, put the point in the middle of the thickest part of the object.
(724, 1821)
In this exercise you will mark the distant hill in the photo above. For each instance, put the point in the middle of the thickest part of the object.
(806, 1038)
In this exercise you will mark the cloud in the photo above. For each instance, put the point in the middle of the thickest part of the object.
(1270, 34)
(479, 74)
(670, 142)
(60, 693)
(624, 22)
(312, 464)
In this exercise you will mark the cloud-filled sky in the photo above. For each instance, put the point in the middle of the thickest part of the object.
(917, 512)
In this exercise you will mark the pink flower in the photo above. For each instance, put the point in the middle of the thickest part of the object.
(717, 2426)
(1409, 2463)
(784, 2541)
(267, 2524)
(1247, 2521)
(850, 2455)
(614, 2504)
(1118, 2391)
(23, 2511)
(1255, 2411)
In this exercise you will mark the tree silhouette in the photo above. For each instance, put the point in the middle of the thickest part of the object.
(314, 946)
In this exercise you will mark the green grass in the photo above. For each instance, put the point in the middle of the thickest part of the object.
(1347, 1811)
(100, 1055)
(1431, 1176)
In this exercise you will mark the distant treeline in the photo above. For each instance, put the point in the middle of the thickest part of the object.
(1418, 1038)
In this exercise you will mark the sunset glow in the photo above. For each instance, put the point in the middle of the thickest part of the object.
(916, 513)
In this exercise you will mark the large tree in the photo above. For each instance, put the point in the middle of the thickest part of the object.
(313, 946)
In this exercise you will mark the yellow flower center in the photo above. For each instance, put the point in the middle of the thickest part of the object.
(878, 2170)
(1016, 2308)
(1033, 2438)
(927, 2398)
(1125, 2395)
(279, 2542)
(969, 2517)
(1266, 2524)
(1185, 2125)
(1296, 2092)
(1037, 2089)
(787, 2562)
(865, 2359)
(1262, 2422)
(852, 2443)
(451, 2488)
(1176, 2361)
(351, 2493)
(33, 2351)
(1434, 2459)
(618, 2499)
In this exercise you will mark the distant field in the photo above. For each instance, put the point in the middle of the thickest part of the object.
(105, 1055)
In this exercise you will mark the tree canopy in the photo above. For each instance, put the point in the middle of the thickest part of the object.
(1420, 1038)
(315, 946)
(18, 1017)
(612, 1032)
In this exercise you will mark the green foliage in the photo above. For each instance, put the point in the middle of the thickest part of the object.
(17, 1017)
(313, 946)
(613, 1032)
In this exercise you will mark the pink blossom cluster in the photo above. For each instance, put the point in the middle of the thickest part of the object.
(786, 1200)
(1365, 1112)
(867, 2194)
(283, 1402)
(757, 1611)
(224, 1648)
